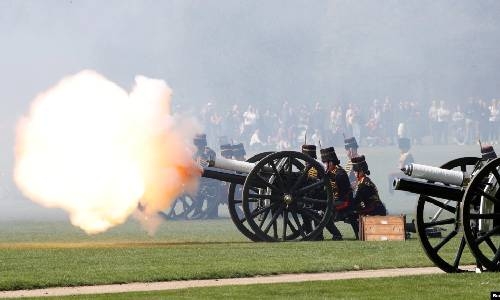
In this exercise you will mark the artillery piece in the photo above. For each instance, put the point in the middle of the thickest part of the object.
(462, 200)
(193, 207)
(272, 198)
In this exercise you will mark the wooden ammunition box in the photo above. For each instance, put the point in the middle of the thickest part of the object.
(382, 228)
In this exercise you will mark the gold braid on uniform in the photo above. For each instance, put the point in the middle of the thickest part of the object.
(374, 198)
(335, 188)
(348, 167)
(312, 173)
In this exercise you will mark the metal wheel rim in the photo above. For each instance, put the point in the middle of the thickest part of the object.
(235, 205)
(433, 251)
(186, 202)
(284, 188)
(492, 261)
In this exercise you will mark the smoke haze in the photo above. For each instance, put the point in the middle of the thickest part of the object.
(260, 52)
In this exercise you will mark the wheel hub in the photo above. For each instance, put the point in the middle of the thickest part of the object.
(288, 199)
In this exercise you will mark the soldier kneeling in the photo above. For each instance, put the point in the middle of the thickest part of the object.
(366, 195)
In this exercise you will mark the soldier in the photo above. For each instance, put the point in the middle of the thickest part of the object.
(487, 152)
(202, 150)
(312, 174)
(342, 194)
(239, 152)
(310, 150)
(226, 151)
(366, 195)
(351, 148)
(208, 189)
(405, 158)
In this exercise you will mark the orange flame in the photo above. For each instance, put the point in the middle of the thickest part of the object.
(95, 151)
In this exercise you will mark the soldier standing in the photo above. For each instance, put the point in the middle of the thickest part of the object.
(342, 194)
(351, 148)
(207, 191)
(312, 174)
(310, 150)
(202, 150)
(226, 151)
(405, 158)
(366, 194)
(239, 152)
(487, 152)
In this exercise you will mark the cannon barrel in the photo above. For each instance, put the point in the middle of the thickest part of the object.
(429, 189)
(436, 174)
(231, 165)
(228, 170)
(223, 176)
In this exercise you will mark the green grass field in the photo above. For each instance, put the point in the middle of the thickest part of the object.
(60, 255)
(443, 286)
(48, 254)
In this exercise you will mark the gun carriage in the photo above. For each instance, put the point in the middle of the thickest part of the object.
(458, 205)
(271, 197)
(278, 200)
(203, 205)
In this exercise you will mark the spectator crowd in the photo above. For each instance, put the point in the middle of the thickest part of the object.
(380, 123)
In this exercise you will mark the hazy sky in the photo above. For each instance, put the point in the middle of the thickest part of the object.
(249, 51)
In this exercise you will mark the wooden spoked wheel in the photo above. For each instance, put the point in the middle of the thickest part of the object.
(281, 202)
(438, 224)
(235, 203)
(481, 215)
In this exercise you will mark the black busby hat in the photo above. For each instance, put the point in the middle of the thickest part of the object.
(328, 154)
(239, 150)
(226, 150)
(350, 143)
(200, 140)
(309, 150)
(404, 143)
(359, 164)
(487, 152)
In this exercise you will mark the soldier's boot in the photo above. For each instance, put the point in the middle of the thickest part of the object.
(337, 238)
(355, 228)
(320, 236)
(213, 211)
(336, 235)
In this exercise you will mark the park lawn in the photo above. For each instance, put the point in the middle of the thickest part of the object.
(46, 254)
(209, 249)
(439, 286)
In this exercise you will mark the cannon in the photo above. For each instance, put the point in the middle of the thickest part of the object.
(456, 207)
(211, 193)
(271, 197)
(203, 205)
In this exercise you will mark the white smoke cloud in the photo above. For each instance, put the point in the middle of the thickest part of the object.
(92, 149)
